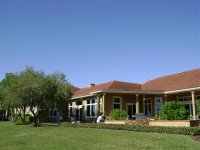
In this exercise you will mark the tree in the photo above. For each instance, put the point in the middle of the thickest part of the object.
(173, 111)
(8, 95)
(34, 90)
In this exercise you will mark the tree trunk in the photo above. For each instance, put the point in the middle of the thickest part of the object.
(35, 118)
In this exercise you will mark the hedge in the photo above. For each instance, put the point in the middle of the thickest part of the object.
(138, 128)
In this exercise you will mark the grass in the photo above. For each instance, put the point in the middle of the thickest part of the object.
(14, 137)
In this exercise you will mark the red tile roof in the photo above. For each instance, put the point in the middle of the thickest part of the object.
(187, 79)
(113, 86)
(183, 80)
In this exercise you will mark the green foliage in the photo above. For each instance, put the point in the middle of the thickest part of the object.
(173, 111)
(31, 88)
(118, 114)
(198, 108)
(26, 137)
(138, 128)
(28, 120)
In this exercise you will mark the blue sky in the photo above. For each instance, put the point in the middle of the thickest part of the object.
(100, 40)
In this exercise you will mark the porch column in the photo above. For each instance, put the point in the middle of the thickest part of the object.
(137, 104)
(193, 106)
(98, 105)
(103, 103)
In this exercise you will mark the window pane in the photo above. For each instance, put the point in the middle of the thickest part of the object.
(88, 101)
(134, 109)
(93, 101)
(93, 110)
(116, 106)
(70, 111)
(55, 113)
(116, 100)
(88, 110)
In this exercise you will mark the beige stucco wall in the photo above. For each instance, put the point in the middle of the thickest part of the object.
(174, 123)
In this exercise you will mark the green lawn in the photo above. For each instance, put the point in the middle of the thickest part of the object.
(26, 137)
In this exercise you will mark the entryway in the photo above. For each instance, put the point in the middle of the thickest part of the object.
(131, 110)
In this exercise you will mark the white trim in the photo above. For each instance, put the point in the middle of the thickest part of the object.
(128, 92)
(138, 92)
(182, 90)
(118, 103)
(78, 97)
(91, 105)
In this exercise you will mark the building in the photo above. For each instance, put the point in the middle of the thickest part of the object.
(137, 99)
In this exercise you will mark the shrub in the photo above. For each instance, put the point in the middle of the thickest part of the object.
(138, 128)
(198, 108)
(28, 120)
(118, 114)
(173, 111)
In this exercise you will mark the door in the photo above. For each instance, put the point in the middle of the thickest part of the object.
(131, 110)
(147, 108)
(79, 112)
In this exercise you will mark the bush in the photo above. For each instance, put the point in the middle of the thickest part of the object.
(173, 111)
(118, 114)
(198, 108)
(138, 128)
(28, 120)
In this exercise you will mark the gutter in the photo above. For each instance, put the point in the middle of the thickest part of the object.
(137, 92)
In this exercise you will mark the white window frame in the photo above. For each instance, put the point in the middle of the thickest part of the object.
(161, 103)
(91, 104)
(189, 102)
(120, 98)
(144, 106)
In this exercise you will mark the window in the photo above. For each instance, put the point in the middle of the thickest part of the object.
(116, 103)
(147, 107)
(91, 108)
(53, 112)
(158, 104)
(197, 97)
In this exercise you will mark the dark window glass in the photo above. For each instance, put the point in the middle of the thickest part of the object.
(93, 101)
(70, 111)
(50, 112)
(55, 113)
(93, 110)
(79, 103)
(88, 101)
(88, 110)
(116, 100)
(116, 106)
(134, 109)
